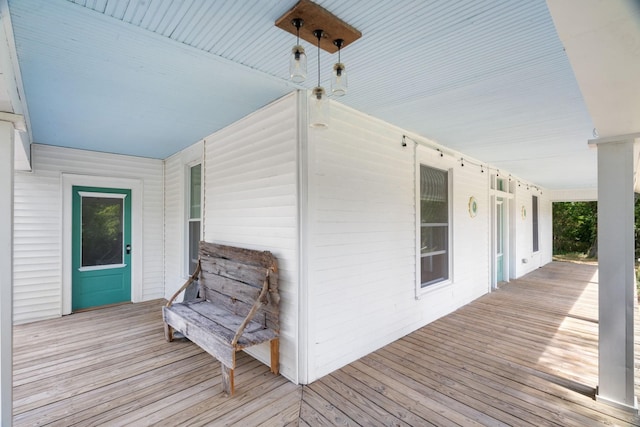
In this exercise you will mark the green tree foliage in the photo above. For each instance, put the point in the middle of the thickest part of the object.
(575, 228)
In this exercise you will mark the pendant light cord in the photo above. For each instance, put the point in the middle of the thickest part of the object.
(319, 36)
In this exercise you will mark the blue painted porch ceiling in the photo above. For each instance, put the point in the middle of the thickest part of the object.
(489, 78)
(95, 83)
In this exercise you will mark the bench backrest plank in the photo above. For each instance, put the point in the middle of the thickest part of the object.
(233, 277)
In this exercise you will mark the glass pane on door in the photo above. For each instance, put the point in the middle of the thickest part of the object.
(499, 241)
(499, 229)
(102, 231)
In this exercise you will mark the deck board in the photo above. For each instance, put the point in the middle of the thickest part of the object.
(523, 355)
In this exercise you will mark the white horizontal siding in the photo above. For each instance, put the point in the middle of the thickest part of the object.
(250, 180)
(37, 245)
(175, 200)
(362, 238)
(471, 235)
(524, 229)
(38, 224)
(546, 228)
(173, 223)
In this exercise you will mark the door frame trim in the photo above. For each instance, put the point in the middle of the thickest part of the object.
(135, 185)
(507, 203)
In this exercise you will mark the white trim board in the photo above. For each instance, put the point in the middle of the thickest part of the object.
(102, 195)
(302, 225)
(136, 187)
(6, 271)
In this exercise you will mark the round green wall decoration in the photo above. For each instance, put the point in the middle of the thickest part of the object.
(473, 207)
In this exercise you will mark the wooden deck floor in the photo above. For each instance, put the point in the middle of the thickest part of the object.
(524, 355)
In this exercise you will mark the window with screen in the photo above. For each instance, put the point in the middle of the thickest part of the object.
(434, 226)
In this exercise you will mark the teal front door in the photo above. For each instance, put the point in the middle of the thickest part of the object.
(101, 247)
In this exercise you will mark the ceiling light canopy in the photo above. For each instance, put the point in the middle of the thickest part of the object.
(312, 23)
(315, 17)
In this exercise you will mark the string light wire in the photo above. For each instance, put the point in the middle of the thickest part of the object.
(464, 161)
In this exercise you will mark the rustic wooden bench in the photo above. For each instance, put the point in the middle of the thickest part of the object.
(237, 306)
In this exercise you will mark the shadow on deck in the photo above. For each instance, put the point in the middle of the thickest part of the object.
(523, 355)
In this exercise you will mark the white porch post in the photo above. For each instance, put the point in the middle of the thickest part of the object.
(6, 270)
(616, 271)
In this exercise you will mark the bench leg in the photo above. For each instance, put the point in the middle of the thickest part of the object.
(227, 380)
(275, 356)
(168, 332)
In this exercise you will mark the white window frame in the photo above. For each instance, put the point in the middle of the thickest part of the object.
(187, 211)
(440, 164)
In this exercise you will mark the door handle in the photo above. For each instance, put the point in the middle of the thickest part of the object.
(128, 249)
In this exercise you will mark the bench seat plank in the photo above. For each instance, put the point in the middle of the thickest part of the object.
(255, 333)
(200, 333)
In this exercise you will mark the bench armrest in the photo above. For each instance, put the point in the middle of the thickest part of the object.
(191, 279)
(256, 305)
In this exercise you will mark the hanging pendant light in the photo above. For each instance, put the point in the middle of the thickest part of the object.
(318, 101)
(298, 59)
(339, 77)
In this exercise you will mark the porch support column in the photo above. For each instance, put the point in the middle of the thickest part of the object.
(616, 158)
(6, 270)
